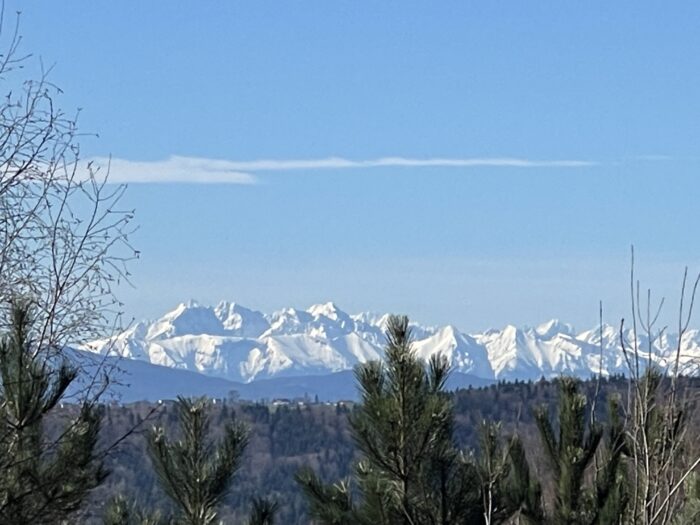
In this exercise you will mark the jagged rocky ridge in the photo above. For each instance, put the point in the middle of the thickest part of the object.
(238, 344)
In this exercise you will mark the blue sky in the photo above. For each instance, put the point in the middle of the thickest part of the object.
(597, 101)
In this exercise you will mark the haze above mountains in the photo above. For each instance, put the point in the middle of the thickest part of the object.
(231, 347)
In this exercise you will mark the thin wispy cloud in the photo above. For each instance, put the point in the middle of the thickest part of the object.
(173, 169)
(203, 170)
(343, 163)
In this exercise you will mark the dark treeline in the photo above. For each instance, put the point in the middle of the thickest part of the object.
(285, 438)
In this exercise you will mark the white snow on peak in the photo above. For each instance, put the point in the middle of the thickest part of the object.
(240, 344)
(241, 321)
(329, 310)
(554, 327)
(188, 318)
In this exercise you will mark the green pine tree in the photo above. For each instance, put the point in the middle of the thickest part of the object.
(610, 483)
(121, 511)
(410, 472)
(263, 512)
(333, 504)
(522, 493)
(194, 472)
(569, 454)
(42, 479)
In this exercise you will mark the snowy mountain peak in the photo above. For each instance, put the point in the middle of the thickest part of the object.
(240, 344)
(552, 328)
(449, 331)
(186, 318)
(366, 317)
(329, 310)
(241, 321)
(190, 303)
(509, 331)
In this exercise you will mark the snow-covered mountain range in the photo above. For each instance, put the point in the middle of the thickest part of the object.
(231, 342)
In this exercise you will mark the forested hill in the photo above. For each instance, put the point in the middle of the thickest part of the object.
(286, 437)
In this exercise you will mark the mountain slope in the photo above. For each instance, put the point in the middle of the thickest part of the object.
(234, 343)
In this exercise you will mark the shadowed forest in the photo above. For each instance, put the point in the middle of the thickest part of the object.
(286, 438)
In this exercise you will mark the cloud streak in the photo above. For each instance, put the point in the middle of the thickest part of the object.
(173, 169)
(203, 170)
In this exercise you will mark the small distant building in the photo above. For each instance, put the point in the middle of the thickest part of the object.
(283, 401)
